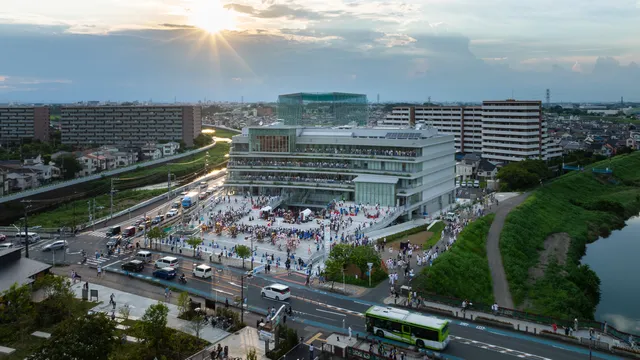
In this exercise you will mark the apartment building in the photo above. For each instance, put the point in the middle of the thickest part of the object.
(502, 131)
(410, 169)
(23, 122)
(129, 125)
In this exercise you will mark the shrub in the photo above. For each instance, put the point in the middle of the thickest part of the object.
(463, 271)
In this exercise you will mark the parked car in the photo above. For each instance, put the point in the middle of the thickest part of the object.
(3, 237)
(7, 245)
(133, 265)
(165, 273)
(172, 213)
(56, 245)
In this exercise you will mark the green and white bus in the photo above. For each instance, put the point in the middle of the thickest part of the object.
(402, 325)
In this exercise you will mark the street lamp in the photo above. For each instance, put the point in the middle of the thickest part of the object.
(26, 227)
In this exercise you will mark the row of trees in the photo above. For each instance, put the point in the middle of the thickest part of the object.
(524, 174)
(342, 255)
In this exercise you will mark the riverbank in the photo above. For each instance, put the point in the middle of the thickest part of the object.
(562, 217)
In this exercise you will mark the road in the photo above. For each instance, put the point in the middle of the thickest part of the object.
(92, 241)
(332, 312)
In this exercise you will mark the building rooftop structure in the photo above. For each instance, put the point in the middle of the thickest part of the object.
(323, 109)
(16, 269)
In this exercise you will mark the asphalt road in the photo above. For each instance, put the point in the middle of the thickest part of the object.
(332, 312)
(95, 240)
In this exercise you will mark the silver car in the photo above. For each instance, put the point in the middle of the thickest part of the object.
(56, 245)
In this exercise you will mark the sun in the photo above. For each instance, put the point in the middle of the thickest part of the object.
(211, 16)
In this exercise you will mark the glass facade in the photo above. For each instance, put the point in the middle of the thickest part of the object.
(323, 109)
(375, 193)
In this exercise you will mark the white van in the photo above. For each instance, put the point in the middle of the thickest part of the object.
(450, 216)
(276, 291)
(33, 237)
(167, 261)
(202, 271)
(4, 246)
(144, 256)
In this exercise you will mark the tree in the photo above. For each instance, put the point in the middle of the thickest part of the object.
(16, 312)
(58, 303)
(184, 303)
(86, 337)
(194, 242)
(196, 324)
(251, 354)
(68, 165)
(362, 255)
(517, 178)
(202, 140)
(243, 252)
(155, 235)
(153, 325)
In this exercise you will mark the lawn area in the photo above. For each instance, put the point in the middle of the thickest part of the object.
(583, 205)
(76, 212)
(463, 271)
(224, 133)
(436, 233)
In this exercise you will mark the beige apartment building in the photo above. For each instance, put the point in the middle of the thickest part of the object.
(129, 125)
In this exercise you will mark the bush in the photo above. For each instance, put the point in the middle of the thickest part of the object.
(402, 234)
(463, 271)
(583, 205)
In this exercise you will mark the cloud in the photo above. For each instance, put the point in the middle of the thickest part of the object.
(275, 11)
(3, 78)
(176, 26)
(391, 40)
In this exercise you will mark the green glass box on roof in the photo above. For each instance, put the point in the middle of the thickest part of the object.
(323, 109)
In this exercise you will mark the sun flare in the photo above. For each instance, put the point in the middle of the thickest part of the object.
(211, 16)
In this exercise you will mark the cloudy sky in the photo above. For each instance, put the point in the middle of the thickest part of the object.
(449, 50)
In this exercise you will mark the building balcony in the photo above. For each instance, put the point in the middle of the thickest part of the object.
(511, 145)
(512, 113)
(511, 107)
(488, 127)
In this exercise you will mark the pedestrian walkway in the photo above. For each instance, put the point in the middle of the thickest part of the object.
(241, 342)
(138, 305)
(582, 333)
(501, 292)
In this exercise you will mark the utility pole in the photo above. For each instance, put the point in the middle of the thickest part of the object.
(242, 299)
(94, 214)
(26, 226)
(111, 199)
(89, 204)
(169, 185)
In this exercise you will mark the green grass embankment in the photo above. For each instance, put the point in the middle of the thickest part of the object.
(463, 271)
(436, 233)
(224, 133)
(70, 213)
(585, 206)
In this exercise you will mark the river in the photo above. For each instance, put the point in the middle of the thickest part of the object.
(615, 260)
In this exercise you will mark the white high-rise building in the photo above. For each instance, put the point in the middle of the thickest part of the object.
(502, 131)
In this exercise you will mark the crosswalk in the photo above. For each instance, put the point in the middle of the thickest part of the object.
(107, 260)
(98, 233)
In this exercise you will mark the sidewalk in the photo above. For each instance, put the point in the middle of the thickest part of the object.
(503, 321)
(139, 304)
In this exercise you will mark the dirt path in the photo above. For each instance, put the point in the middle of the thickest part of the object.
(501, 291)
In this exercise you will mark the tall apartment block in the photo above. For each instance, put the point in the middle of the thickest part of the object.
(23, 122)
(129, 125)
(502, 131)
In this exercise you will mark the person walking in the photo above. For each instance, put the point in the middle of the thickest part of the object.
(167, 292)
(310, 351)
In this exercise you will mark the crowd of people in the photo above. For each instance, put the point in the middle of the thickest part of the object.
(298, 178)
(311, 164)
(360, 151)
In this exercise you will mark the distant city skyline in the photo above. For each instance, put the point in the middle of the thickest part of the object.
(72, 50)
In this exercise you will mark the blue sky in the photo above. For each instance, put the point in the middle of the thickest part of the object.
(450, 50)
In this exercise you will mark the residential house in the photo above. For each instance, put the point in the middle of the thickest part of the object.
(151, 152)
(169, 149)
(487, 170)
(22, 180)
(46, 173)
(468, 166)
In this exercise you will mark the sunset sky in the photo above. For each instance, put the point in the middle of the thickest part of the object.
(450, 50)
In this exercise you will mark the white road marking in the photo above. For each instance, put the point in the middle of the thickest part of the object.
(331, 312)
(361, 303)
(497, 348)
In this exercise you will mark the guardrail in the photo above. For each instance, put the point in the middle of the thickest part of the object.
(531, 317)
(157, 198)
(63, 184)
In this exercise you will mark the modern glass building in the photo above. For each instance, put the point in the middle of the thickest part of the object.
(322, 109)
(410, 169)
